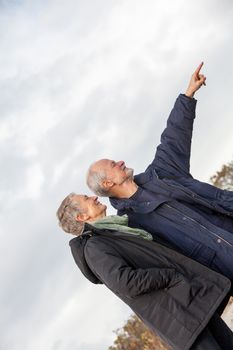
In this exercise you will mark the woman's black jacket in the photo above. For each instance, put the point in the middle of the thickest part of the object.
(172, 294)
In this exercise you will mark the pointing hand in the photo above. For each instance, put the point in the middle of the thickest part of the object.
(196, 81)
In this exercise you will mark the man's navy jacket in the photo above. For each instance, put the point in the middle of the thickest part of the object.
(191, 216)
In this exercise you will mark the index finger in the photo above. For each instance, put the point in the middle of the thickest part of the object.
(197, 71)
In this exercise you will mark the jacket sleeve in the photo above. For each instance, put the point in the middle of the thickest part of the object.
(172, 157)
(113, 270)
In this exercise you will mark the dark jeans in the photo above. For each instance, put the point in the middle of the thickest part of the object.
(216, 336)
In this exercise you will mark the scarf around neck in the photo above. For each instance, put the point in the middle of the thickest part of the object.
(120, 223)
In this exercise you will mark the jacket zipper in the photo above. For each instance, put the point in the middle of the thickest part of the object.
(188, 217)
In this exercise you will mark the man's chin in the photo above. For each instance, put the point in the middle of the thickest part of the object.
(129, 174)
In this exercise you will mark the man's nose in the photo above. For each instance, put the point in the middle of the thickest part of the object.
(120, 163)
(94, 198)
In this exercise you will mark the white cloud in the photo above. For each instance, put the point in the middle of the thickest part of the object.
(33, 183)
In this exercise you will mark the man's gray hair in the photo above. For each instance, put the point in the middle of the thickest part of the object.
(67, 213)
(94, 181)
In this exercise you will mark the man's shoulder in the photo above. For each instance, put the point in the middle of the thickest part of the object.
(146, 176)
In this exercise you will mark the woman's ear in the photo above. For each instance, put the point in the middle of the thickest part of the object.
(82, 217)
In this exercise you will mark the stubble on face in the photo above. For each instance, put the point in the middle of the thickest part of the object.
(120, 173)
(129, 173)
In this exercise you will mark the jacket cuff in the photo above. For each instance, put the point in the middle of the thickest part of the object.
(189, 102)
(187, 97)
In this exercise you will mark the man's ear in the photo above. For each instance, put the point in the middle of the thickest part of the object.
(82, 217)
(107, 184)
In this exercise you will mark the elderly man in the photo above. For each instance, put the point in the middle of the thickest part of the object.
(176, 297)
(193, 217)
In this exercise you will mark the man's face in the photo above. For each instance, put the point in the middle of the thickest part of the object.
(116, 171)
(90, 206)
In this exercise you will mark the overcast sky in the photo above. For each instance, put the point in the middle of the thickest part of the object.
(81, 80)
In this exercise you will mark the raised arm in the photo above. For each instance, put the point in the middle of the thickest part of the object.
(172, 157)
(114, 271)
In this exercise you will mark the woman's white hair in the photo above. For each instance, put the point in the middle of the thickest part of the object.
(67, 213)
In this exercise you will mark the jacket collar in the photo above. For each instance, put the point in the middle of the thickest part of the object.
(143, 178)
(124, 204)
